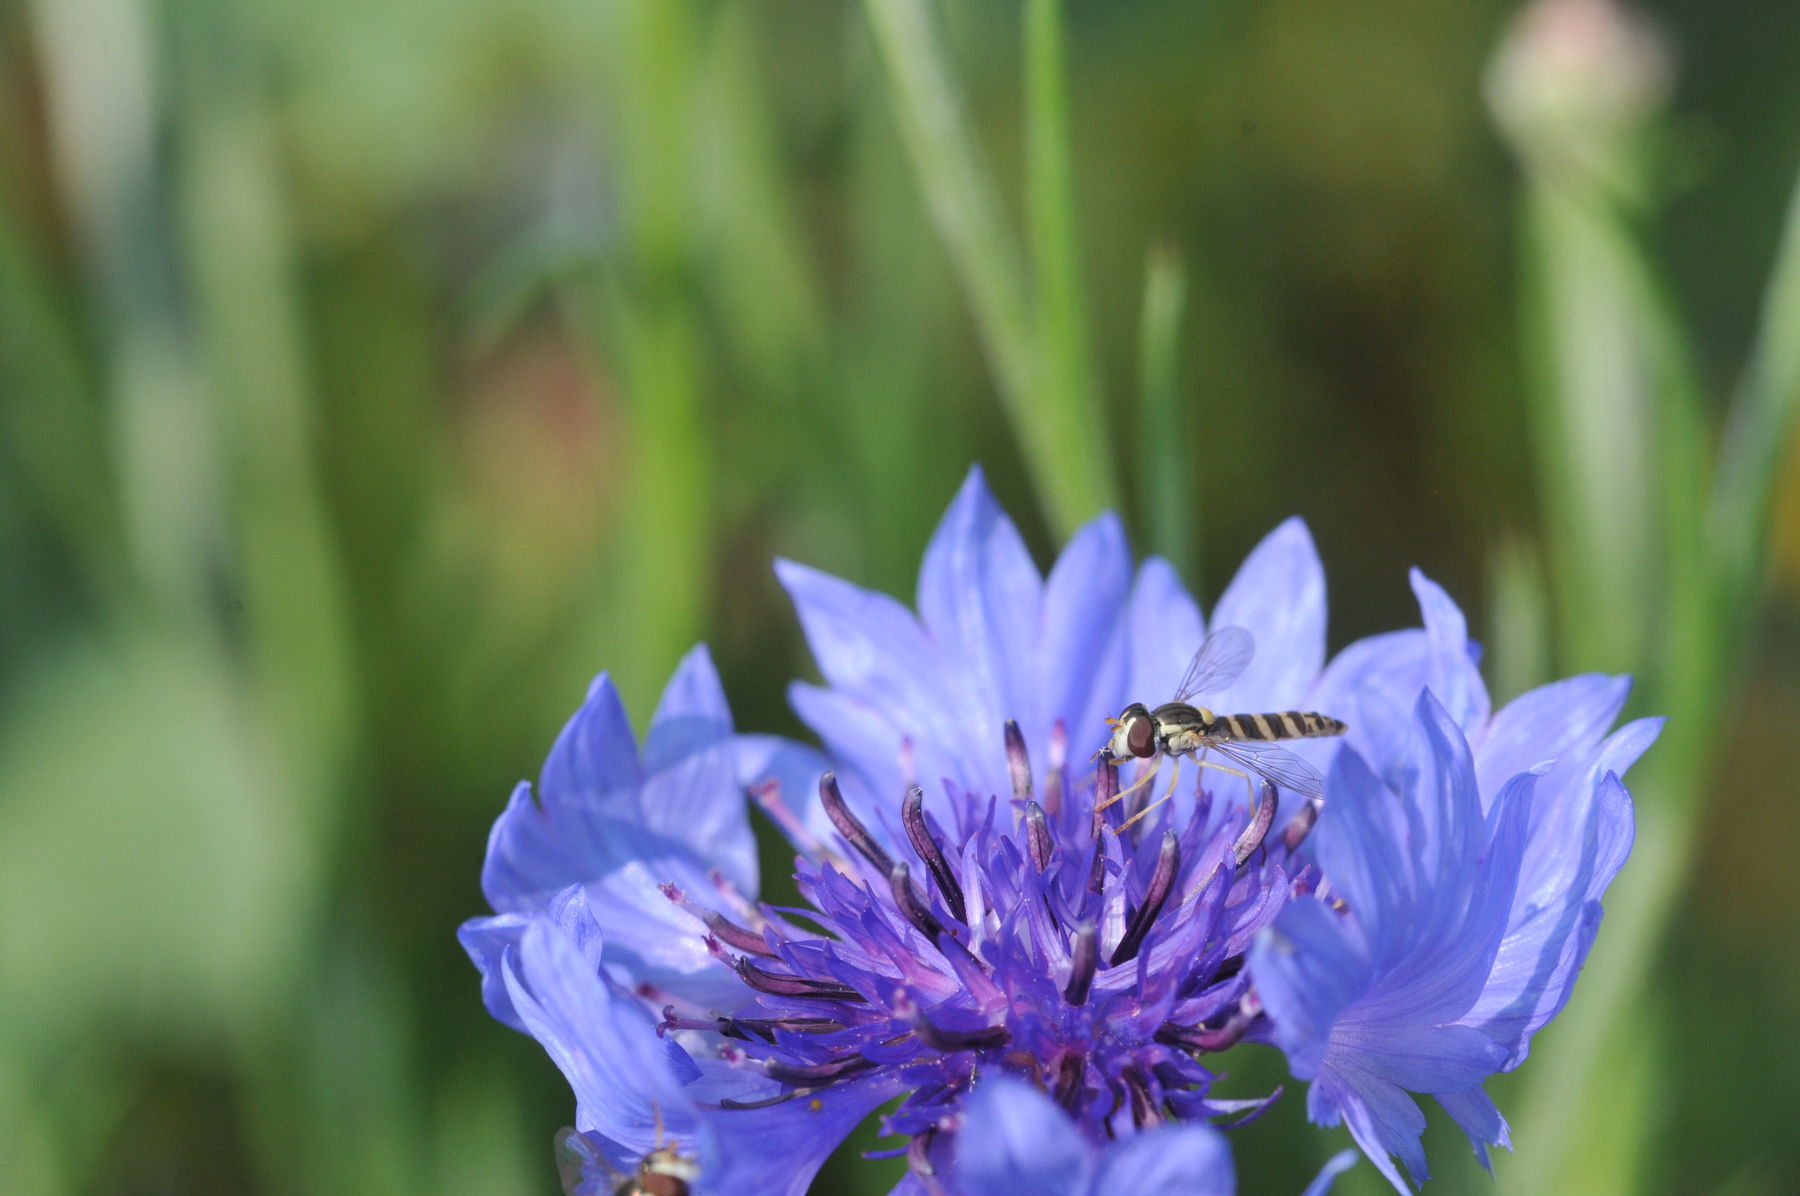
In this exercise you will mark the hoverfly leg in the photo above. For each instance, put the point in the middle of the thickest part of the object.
(1132, 788)
(1174, 780)
(1249, 785)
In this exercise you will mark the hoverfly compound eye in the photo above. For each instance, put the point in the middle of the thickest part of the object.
(1140, 737)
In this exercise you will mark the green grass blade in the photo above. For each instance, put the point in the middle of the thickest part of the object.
(1063, 442)
(1068, 379)
(51, 429)
(1169, 498)
(1761, 421)
(767, 294)
(252, 348)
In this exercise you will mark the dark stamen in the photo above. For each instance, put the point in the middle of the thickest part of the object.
(1018, 763)
(766, 1101)
(673, 1021)
(912, 816)
(1168, 859)
(1262, 1106)
(853, 831)
(947, 1041)
(827, 1072)
(1106, 787)
(1301, 825)
(1259, 826)
(1070, 1073)
(918, 1162)
(766, 1027)
(1106, 792)
(722, 928)
(1200, 1038)
(1037, 835)
(792, 986)
(1143, 1106)
(1086, 958)
(906, 899)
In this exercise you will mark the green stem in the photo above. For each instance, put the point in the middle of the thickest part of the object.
(1622, 455)
(1591, 418)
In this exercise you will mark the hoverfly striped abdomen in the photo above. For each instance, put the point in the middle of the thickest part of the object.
(1282, 724)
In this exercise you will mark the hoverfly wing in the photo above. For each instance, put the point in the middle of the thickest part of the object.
(1274, 763)
(1217, 663)
(579, 1162)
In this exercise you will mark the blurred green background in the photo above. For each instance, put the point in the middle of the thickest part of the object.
(373, 373)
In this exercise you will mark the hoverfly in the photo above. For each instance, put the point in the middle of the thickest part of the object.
(665, 1171)
(1176, 729)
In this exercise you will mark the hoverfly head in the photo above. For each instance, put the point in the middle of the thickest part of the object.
(1134, 733)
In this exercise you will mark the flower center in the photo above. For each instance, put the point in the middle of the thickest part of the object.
(1097, 962)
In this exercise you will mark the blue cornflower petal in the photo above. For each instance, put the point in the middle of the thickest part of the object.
(1334, 1166)
(1383, 1119)
(1573, 853)
(654, 942)
(881, 675)
(1015, 1139)
(1185, 1160)
(1308, 971)
(626, 1083)
(776, 1151)
(598, 807)
(976, 581)
(920, 700)
(1475, 1114)
(622, 826)
(593, 766)
(690, 790)
(1162, 628)
(1567, 829)
(866, 749)
(1367, 1004)
(486, 940)
(1576, 841)
(1451, 668)
(868, 645)
(1080, 626)
(1372, 685)
(1562, 721)
(540, 846)
(1278, 596)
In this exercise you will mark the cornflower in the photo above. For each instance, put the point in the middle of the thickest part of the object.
(1030, 957)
